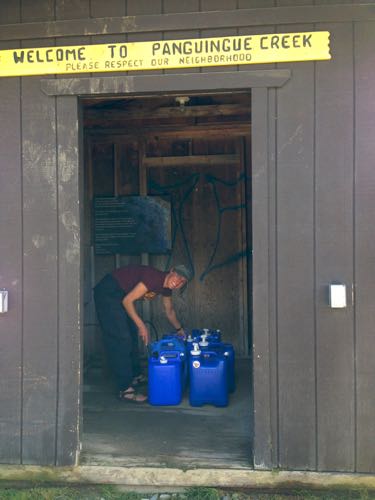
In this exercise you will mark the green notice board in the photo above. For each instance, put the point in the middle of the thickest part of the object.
(132, 225)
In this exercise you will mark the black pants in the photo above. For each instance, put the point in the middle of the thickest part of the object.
(119, 332)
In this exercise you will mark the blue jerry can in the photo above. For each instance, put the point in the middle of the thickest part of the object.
(166, 373)
(175, 341)
(208, 378)
(226, 350)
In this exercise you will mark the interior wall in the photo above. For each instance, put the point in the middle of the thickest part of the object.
(207, 217)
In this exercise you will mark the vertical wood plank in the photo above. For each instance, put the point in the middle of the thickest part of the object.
(263, 438)
(114, 8)
(40, 273)
(10, 269)
(365, 244)
(11, 256)
(209, 5)
(173, 6)
(70, 280)
(140, 7)
(272, 274)
(143, 7)
(10, 13)
(89, 337)
(70, 270)
(38, 10)
(109, 8)
(72, 9)
(244, 242)
(295, 267)
(258, 30)
(334, 253)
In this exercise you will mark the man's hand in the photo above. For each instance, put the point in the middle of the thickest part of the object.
(180, 332)
(143, 333)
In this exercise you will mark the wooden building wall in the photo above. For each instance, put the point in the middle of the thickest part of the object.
(319, 158)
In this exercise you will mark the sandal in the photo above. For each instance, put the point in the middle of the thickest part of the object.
(132, 396)
(139, 380)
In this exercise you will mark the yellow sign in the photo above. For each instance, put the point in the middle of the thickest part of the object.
(166, 54)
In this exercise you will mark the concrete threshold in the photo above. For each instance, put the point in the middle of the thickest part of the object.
(171, 478)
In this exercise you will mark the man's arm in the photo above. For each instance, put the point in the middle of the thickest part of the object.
(171, 314)
(128, 302)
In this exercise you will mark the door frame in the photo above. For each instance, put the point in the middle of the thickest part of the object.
(262, 85)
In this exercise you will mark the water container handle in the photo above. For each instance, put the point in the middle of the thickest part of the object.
(169, 354)
(171, 343)
(211, 353)
(204, 336)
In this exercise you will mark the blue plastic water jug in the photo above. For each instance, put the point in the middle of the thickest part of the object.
(208, 378)
(174, 336)
(166, 373)
(226, 350)
(214, 336)
(175, 342)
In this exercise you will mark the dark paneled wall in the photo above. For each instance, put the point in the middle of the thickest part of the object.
(364, 246)
(40, 254)
(314, 248)
(322, 205)
(334, 171)
(40, 274)
(295, 266)
(11, 365)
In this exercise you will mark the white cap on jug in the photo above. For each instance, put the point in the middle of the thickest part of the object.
(204, 342)
(195, 351)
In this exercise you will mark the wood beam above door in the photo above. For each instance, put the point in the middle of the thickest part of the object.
(183, 161)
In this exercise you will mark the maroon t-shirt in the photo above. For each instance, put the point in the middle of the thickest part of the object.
(129, 276)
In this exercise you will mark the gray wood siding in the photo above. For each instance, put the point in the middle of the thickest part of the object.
(11, 259)
(10, 270)
(335, 402)
(364, 261)
(70, 273)
(295, 267)
(317, 408)
(40, 305)
(265, 443)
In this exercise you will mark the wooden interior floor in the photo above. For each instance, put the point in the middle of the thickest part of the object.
(123, 434)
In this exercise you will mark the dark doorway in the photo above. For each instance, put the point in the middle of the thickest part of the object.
(194, 151)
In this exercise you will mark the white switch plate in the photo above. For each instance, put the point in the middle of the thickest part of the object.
(337, 295)
(3, 301)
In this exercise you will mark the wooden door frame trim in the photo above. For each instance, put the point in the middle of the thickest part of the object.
(264, 382)
(176, 83)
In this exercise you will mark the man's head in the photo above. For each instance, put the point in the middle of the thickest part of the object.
(178, 277)
(183, 271)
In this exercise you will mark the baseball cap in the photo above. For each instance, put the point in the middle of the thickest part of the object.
(183, 271)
